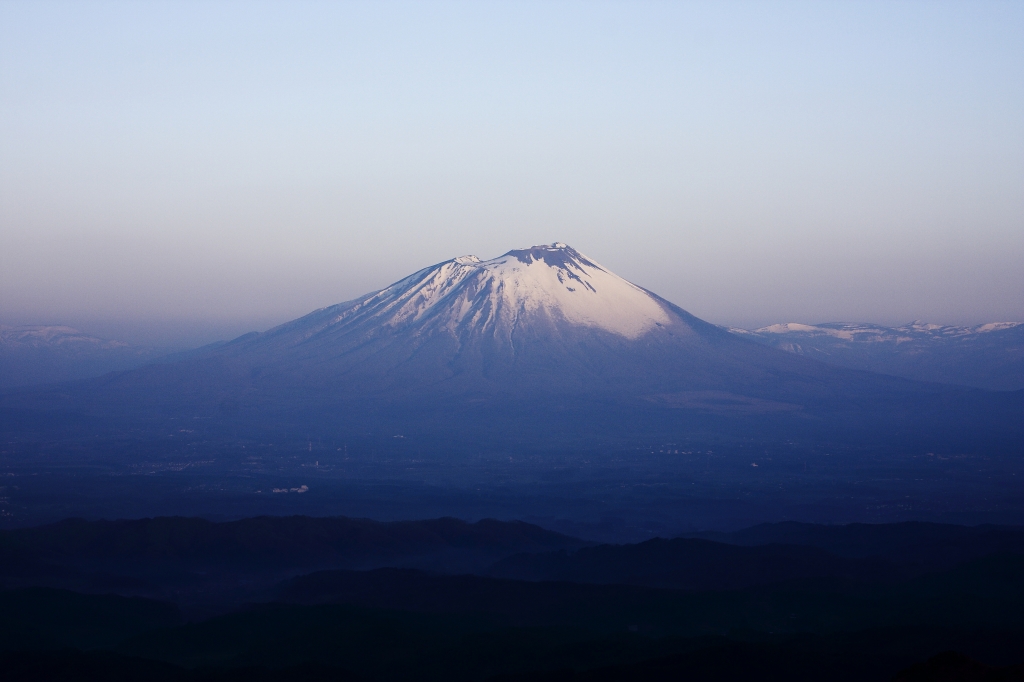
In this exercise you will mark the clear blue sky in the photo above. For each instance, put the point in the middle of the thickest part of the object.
(227, 166)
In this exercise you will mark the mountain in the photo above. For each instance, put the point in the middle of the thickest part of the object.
(541, 346)
(989, 356)
(37, 354)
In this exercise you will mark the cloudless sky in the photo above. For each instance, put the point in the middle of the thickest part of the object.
(218, 167)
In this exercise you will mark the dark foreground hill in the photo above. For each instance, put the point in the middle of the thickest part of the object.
(688, 564)
(913, 545)
(803, 659)
(199, 560)
(450, 629)
(274, 541)
(770, 553)
(950, 665)
(615, 612)
(201, 564)
(985, 593)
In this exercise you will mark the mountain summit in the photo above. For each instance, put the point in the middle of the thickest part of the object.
(540, 286)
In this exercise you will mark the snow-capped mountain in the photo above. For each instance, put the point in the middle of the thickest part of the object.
(541, 319)
(43, 336)
(870, 333)
(32, 354)
(986, 356)
(543, 286)
(551, 283)
(536, 345)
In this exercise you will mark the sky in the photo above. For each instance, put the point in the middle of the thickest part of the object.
(188, 171)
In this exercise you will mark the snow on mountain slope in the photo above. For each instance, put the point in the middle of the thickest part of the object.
(544, 283)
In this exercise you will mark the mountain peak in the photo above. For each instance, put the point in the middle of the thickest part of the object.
(556, 255)
(548, 287)
(540, 285)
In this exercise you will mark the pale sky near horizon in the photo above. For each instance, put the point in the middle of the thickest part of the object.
(219, 167)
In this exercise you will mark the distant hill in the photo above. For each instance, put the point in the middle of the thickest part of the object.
(145, 556)
(770, 553)
(989, 356)
(987, 591)
(688, 564)
(38, 354)
(914, 545)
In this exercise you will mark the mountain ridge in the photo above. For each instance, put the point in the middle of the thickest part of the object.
(37, 354)
(988, 356)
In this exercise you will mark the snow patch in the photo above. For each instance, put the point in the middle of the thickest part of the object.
(995, 327)
(863, 333)
(795, 327)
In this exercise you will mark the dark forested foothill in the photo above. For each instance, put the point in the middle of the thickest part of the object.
(348, 599)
